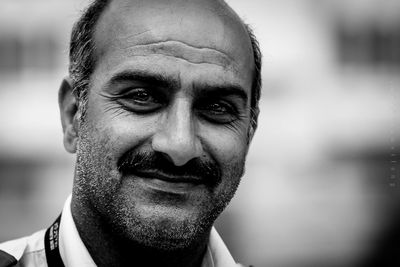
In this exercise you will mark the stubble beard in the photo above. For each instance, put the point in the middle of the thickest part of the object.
(99, 187)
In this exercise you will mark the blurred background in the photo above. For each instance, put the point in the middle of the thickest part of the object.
(322, 186)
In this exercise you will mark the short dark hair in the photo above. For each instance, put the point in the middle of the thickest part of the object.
(83, 61)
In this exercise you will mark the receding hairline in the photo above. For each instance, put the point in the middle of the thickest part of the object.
(225, 14)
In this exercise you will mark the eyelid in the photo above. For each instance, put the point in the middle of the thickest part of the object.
(131, 102)
(131, 91)
(225, 103)
(231, 114)
(155, 93)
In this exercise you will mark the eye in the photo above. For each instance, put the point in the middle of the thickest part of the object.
(218, 111)
(141, 96)
(219, 108)
(141, 100)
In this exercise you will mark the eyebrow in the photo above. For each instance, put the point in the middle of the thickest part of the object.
(156, 79)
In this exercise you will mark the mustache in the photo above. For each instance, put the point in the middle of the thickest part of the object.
(205, 171)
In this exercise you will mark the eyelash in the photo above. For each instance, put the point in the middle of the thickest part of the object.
(135, 93)
(219, 117)
(131, 101)
(221, 105)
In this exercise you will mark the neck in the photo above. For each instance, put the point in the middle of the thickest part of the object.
(107, 249)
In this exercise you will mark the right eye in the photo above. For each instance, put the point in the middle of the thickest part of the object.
(141, 100)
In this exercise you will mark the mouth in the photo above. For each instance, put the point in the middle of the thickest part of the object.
(167, 183)
(170, 178)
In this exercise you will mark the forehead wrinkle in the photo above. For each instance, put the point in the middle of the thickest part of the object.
(180, 49)
(190, 46)
(181, 58)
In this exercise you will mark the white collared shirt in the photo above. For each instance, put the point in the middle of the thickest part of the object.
(31, 253)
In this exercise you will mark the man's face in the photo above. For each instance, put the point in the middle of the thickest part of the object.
(162, 147)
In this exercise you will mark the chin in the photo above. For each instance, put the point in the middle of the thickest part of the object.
(161, 228)
(166, 234)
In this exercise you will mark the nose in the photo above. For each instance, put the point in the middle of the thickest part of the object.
(177, 134)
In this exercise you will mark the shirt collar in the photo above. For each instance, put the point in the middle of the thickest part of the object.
(74, 253)
(72, 250)
(217, 254)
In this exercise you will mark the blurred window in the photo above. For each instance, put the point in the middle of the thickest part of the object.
(38, 53)
(10, 53)
(369, 46)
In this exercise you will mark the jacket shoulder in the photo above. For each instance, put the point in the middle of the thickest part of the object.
(13, 248)
(7, 260)
(25, 251)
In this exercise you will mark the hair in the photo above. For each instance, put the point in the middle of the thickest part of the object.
(83, 60)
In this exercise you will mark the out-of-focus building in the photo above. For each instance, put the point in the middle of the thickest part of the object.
(322, 181)
(35, 171)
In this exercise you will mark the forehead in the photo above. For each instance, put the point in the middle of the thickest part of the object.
(197, 31)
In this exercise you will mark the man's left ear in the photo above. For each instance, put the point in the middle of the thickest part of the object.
(68, 105)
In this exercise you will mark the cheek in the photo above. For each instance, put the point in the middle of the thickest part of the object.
(228, 148)
(120, 131)
(225, 144)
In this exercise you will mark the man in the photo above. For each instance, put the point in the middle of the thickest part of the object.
(160, 107)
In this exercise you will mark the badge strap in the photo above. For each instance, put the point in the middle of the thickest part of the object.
(51, 245)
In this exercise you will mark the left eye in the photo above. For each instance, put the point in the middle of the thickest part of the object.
(218, 108)
(218, 112)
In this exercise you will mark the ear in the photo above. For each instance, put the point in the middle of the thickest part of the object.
(68, 105)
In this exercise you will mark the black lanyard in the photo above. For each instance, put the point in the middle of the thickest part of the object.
(51, 245)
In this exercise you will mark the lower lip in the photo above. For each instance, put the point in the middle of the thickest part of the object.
(167, 187)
